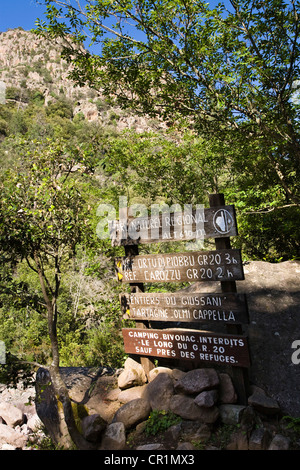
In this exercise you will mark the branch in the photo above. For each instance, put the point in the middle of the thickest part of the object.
(30, 265)
(271, 209)
(33, 363)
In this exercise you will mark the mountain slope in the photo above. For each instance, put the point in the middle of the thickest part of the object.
(31, 66)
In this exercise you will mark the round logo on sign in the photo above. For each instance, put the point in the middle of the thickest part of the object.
(223, 221)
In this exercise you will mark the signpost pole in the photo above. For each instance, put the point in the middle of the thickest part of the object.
(239, 374)
(133, 250)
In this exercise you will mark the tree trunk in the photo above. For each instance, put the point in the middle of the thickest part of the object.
(70, 433)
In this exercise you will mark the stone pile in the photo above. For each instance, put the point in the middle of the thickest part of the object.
(117, 406)
(19, 422)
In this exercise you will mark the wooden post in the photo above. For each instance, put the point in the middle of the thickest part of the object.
(239, 375)
(133, 250)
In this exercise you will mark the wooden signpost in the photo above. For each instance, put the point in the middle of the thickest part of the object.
(226, 307)
(188, 345)
(187, 225)
(185, 307)
(220, 265)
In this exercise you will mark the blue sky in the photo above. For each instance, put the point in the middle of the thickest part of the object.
(23, 13)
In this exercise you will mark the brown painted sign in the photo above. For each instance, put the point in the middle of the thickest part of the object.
(186, 225)
(218, 265)
(203, 346)
(185, 307)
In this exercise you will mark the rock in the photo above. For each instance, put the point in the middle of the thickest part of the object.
(227, 393)
(106, 410)
(173, 432)
(186, 408)
(23, 429)
(133, 374)
(101, 396)
(207, 398)
(175, 374)
(159, 370)
(88, 109)
(92, 427)
(12, 437)
(80, 380)
(238, 441)
(34, 422)
(133, 412)
(114, 394)
(8, 447)
(159, 392)
(231, 414)
(249, 419)
(197, 380)
(273, 298)
(185, 446)
(151, 447)
(124, 396)
(264, 404)
(259, 439)
(114, 437)
(12, 415)
(279, 442)
(192, 431)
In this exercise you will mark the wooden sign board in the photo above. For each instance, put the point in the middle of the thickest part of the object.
(218, 265)
(186, 225)
(185, 307)
(203, 346)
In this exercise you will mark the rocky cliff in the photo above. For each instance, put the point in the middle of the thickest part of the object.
(32, 64)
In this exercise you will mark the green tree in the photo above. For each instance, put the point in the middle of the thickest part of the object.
(231, 69)
(43, 218)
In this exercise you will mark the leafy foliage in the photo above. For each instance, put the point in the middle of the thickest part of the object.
(160, 421)
(231, 69)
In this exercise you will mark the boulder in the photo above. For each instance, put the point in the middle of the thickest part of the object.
(264, 404)
(260, 439)
(8, 447)
(185, 407)
(81, 380)
(238, 441)
(153, 373)
(12, 415)
(279, 442)
(133, 412)
(197, 380)
(231, 414)
(34, 422)
(114, 437)
(124, 396)
(151, 447)
(273, 299)
(12, 437)
(175, 374)
(227, 393)
(185, 446)
(133, 374)
(207, 398)
(192, 431)
(160, 391)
